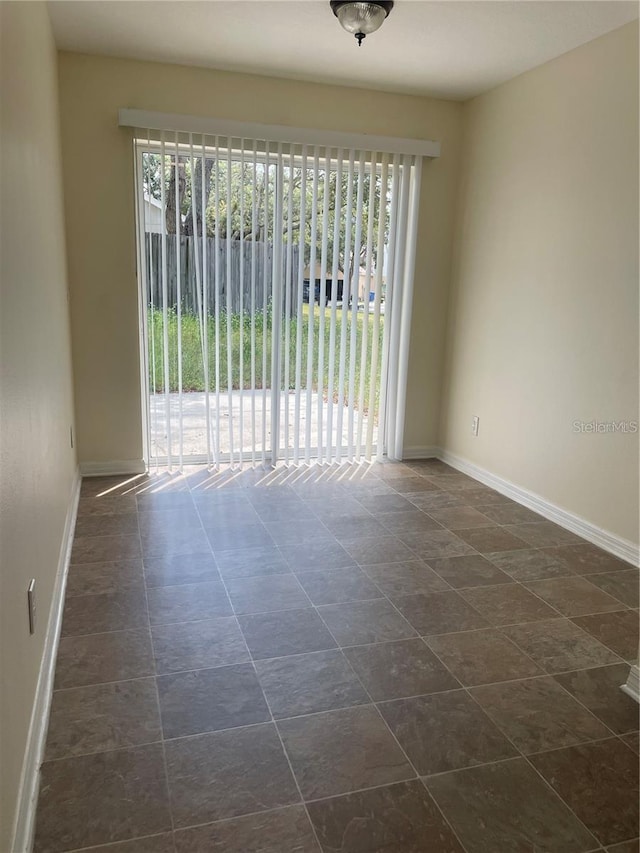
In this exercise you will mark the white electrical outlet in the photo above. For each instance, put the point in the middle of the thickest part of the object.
(475, 425)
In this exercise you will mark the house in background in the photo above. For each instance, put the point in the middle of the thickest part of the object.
(154, 217)
(317, 285)
(365, 285)
(525, 286)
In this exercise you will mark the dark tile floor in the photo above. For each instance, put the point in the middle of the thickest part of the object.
(363, 659)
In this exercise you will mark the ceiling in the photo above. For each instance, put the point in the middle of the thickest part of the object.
(448, 49)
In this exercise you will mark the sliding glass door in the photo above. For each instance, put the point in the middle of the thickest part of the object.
(270, 298)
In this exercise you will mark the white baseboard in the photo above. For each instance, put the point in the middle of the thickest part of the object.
(24, 824)
(616, 545)
(112, 468)
(632, 686)
(410, 453)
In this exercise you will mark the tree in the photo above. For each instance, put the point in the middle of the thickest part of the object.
(174, 198)
(239, 203)
(194, 217)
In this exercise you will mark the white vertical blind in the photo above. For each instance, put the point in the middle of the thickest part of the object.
(288, 281)
(312, 337)
(254, 304)
(384, 369)
(276, 299)
(228, 306)
(375, 330)
(217, 294)
(354, 294)
(242, 313)
(202, 290)
(365, 321)
(276, 304)
(265, 299)
(165, 315)
(337, 222)
(178, 310)
(146, 338)
(344, 311)
(298, 302)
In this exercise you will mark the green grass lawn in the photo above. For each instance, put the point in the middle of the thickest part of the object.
(240, 329)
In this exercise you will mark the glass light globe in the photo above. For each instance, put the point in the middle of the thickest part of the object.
(361, 17)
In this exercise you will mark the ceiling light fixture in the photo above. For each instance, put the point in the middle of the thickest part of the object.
(361, 18)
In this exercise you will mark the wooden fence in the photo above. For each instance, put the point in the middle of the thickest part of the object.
(230, 290)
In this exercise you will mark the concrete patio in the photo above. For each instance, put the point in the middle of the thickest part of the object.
(241, 416)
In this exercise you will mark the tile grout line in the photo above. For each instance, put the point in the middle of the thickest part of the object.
(552, 676)
(521, 756)
(498, 727)
(496, 628)
(612, 735)
(159, 709)
(99, 847)
(372, 702)
(562, 800)
(288, 759)
(152, 743)
(383, 595)
(586, 634)
(413, 767)
(342, 649)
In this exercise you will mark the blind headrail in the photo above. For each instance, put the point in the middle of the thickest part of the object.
(276, 133)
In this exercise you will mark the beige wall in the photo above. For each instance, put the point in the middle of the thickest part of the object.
(98, 178)
(543, 321)
(37, 463)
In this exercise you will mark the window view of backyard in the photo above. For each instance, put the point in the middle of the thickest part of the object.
(223, 305)
(193, 375)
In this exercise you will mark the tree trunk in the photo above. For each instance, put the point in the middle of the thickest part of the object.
(171, 202)
(194, 225)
